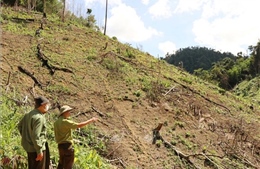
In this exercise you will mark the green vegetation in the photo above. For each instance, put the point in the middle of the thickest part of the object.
(133, 91)
(222, 69)
(192, 58)
(11, 113)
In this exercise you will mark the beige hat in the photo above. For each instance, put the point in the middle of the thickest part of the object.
(64, 109)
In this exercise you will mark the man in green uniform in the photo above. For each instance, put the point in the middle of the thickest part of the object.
(63, 135)
(32, 128)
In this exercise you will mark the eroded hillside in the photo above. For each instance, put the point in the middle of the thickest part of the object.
(198, 125)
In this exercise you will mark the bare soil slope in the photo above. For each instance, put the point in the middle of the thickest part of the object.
(132, 93)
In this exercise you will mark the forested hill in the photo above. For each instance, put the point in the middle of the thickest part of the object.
(192, 58)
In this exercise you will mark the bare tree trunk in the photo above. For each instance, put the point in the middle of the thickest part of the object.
(16, 5)
(44, 6)
(29, 5)
(105, 29)
(34, 5)
(63, 12)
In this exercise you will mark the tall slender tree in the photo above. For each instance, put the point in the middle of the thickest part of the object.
(29, 5)
(105, 29)
(256, 57)
(63, 10)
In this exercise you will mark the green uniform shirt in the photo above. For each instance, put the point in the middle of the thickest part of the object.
(63, 130)
(32, 128)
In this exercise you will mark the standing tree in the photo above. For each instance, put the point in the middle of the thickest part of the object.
(63, 10)
(44, 7)
(105, 29)
(256, 57)
(29, 5)
(90, 19)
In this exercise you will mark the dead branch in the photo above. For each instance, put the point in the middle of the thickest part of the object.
(23, 20)
(62, 69)
(99, 112)
(103, 123)
(111, 152)
(157, 136)
(170, 90)
(30, 75)
(193, 91)
(8, 63)
(115, 54)
(45, 62)
(42, 57)
(120, 161)
(31, 91)
(245, 161)
(8, 80)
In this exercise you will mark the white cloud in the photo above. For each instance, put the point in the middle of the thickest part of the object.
(189, 5)
(161, 9)
(126, 25)
(145, 2)
(228, 25)
(167, 47)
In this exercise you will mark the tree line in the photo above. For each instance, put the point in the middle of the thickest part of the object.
(50, 6)
(224, 69)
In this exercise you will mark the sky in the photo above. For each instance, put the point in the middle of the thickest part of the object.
(164, 26)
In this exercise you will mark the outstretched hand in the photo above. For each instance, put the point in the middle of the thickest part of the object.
(94, 119)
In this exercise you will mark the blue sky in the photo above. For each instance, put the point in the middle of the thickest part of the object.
(161, 26)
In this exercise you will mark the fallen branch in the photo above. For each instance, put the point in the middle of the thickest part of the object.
(113, 151)
(157, 136)
(31, 75)
(120, 161)
(115, 54)
(31, 91)
(245, 161)
(169, 90)
(8, 62)
(99, 112)
(193, 91)
(179, 153)
(8, 80)
(42, 57)
(45, 61)
(22, 19)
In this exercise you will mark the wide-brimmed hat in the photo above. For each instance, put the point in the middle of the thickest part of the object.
(40, 101)
(64, 109)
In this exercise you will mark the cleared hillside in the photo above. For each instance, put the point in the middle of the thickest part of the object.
(132, 93)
